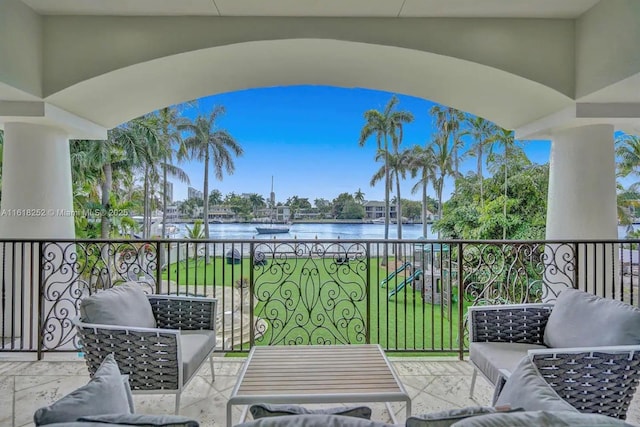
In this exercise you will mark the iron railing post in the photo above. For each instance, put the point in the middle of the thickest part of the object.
(576, 269)
(158, 266)
(39, 278)
(251, 290)
(369, 290)
(460, 305)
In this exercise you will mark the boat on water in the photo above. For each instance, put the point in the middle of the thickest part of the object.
(272, 230)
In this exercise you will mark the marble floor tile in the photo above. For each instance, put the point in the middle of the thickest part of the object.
(432, 386)
(6, 400)
(32, 393)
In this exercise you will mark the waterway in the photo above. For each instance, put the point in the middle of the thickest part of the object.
(305, 231)
(236, 231)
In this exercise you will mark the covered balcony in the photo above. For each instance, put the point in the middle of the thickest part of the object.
(411, 297)
(566, 71)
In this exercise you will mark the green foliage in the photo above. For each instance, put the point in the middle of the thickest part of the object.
(324, 207)
(297, 203)
(340, 202)
(465, 217)
(411, 209)
(352, 210)
(241, 206)
(196, 232)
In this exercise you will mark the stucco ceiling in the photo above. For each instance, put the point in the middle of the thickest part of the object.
(320, 8)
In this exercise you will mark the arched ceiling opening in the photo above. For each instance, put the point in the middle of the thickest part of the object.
(120, 95)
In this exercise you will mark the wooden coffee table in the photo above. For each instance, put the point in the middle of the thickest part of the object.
(317, 374)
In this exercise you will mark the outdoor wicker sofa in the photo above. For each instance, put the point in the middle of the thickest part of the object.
(586, 347)
(159, 341)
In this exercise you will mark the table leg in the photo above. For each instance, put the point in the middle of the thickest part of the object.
(408, 408)
(229, 415)
(244, 413)
(394, 420)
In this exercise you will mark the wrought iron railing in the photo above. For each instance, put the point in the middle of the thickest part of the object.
(408, 295)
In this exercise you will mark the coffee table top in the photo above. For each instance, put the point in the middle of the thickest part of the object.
(318, 374)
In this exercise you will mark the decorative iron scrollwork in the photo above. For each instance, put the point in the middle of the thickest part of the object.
(311, 293)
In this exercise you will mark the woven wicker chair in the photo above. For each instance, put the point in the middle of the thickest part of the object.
(595, 382)
(162, 359)
(592, 379)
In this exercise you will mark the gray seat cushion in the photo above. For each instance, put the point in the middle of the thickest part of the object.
(580, 319)
(541, 418)
(122, 305)
(526, 389)
(490, 357)
(449, 417)
(195, 347)
(142, 420)
(105, 393)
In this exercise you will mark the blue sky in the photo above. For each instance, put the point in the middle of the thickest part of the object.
(307, 138)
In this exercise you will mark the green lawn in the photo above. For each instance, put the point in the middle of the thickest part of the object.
(315, 300)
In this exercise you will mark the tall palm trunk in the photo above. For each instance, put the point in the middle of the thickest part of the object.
(479, 169)
(399, 213)
(439, 186)
(164, 198)
(425, 227)
(387, 207)
(205, 209)
(147, 215)
(105, 221)
(504, 206)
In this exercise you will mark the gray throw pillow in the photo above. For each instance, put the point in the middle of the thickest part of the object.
(142, 420)
(580, 319)
(122, 305)
(452, 416)
(526, 389)
(542, 418)
(109, 367)
(105, 393)
(312, 420)
(263, 410)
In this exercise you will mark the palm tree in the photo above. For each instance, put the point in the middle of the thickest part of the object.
(398, 165)
(422, 163)
(628, 200)
(448, 121)
(169, 135)
(628, 152)
(443, 166)
(384, 125)
(208, 144)
(358, 196)
(482, 131)
(506, 140)
(126, 147)
(257, 201)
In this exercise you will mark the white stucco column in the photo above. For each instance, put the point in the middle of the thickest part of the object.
(36, 204)
(582, 205)
(36, 183)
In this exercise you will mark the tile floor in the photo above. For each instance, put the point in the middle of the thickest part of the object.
(433, 384)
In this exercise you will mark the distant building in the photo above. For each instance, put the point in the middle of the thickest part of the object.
(283, 213)
(374, 209)
(278, 213)
(193, 193)
(311, 213)
(172, 212)
(169, 192)
(221, 213)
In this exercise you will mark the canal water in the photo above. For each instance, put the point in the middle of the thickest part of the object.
(233, 231)
(312, 231)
